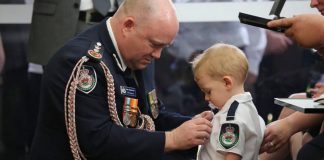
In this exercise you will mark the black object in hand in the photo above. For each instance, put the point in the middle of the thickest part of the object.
(258, 22)
(262, 22)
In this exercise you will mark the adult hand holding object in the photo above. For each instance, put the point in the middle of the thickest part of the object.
(306, 29)
(191, 133)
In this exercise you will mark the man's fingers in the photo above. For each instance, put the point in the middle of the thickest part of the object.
(289, 33)
(208, 115)
(202, 121)
(200, 142)
(274, 23)
(203, 135)
(205, 128)
(284, 22)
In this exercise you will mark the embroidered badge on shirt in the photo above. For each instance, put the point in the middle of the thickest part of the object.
(229, 135)
(87, 79)
(153, 102)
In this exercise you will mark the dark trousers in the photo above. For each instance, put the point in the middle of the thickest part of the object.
(313, 150)
(34, 84)
(15, 101)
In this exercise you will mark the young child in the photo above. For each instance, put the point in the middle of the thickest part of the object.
(237, 133)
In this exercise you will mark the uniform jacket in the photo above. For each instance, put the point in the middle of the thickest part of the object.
(99, 137)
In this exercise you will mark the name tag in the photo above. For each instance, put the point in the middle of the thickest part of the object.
(128, 91)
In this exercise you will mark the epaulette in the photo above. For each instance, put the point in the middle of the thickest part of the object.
(95, 51)
(231, 111)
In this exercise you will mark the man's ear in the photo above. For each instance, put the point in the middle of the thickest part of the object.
(228, 81)
(128, 24)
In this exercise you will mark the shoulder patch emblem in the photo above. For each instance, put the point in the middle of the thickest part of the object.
(87, 79)
(229, 135)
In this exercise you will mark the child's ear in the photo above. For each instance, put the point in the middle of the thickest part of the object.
(228, 82)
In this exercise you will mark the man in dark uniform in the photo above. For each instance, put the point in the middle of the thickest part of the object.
(60, 20)
(98, 97)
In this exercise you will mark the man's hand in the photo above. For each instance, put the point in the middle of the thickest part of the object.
(206, 114)
(191, 133)
(306, 29)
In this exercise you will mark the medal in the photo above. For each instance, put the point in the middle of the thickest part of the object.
(130, 111)
(153, 102)
(126, 114)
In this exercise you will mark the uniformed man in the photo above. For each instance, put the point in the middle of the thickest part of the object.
(98, 99)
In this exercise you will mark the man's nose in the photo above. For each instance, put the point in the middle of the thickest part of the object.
(156, 54)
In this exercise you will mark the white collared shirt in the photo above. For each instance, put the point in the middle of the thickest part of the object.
(251, 130)
(86, 5)
(121, 64)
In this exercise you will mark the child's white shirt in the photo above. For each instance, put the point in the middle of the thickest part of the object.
(243, 135)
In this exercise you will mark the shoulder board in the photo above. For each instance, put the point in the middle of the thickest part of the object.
(231, 111)
(95, 51)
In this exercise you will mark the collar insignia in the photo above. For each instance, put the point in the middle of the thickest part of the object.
(96, 52)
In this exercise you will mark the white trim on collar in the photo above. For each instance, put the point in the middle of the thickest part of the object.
(120, 61)
(241, 98)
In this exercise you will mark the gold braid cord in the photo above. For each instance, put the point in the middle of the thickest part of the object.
(69, 110)
(69, 107)
(147, 122)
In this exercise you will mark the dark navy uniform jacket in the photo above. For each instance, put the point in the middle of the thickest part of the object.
(98, 136)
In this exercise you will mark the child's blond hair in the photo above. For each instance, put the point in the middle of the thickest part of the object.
(222, 60)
